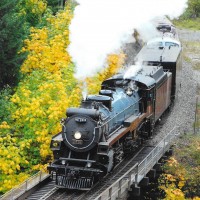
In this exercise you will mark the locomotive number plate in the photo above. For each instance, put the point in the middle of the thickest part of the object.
(77, 141)
(80, 119)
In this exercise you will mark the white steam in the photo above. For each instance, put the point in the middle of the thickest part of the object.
(132, 70)
(99, 27)
(84, 91)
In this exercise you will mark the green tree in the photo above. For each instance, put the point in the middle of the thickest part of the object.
(16, 18)
(11, 36)
(55, 5)
(194, 8)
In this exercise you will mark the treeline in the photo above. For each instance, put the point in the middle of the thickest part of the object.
(193, 10)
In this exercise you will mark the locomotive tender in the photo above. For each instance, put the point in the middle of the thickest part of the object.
(97, 135)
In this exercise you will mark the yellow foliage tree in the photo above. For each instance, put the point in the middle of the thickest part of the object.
(115, 62)
(48, 87)
(40, 100)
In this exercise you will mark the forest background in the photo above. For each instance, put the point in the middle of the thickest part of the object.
(36, 75)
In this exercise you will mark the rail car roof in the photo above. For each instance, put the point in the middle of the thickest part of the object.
(148, 76)
(156, 54)
(163, 42)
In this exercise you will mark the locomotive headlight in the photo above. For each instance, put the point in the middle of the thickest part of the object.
(77, 135)
(63, 162)
(89, 164)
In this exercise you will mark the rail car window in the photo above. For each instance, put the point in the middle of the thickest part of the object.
(168, 44)
(162, 44)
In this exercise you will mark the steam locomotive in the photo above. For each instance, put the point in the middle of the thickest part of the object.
(96, 136)
(106, 127)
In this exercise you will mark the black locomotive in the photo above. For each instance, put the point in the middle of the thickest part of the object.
(97, 135)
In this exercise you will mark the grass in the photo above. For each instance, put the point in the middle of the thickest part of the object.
(191, 54)
(192, 47)
(196, 66)
(192, 24)
(191, 51)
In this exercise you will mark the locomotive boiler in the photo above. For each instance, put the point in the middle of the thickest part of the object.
(106, 127)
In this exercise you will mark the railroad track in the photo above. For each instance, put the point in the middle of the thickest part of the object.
(118, 172)
(63, 194)
(44, 192)
(50, 192)
(53, 193)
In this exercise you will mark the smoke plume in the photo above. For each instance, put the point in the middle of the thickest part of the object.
(100, 27)
(132, 70)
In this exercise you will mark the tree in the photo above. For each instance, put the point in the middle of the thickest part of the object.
(55, 5)
(194, 8)
(11, 35)
(16, 18)
(182, 171)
